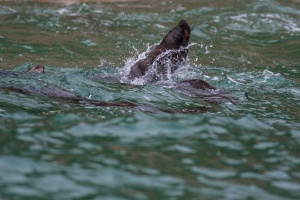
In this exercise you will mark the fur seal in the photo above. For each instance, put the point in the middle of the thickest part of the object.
(163, 57)
(37, 69)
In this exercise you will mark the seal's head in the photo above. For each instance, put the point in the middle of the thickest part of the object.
(37, 69)
(164, 57)
(178, 36)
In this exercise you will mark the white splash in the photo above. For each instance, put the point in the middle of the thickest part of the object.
(171, 70)
(268, 74)
(155, 70)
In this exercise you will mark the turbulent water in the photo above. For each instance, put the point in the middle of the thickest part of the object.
(54, 149)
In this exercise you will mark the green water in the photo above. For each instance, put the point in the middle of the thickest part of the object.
(53, 149)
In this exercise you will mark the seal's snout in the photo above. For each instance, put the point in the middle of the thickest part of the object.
(37, 69)
(182, 23)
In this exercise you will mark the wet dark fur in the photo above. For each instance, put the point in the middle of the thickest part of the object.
(176, 40)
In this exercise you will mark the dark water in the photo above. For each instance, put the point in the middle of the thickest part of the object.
(53, 149)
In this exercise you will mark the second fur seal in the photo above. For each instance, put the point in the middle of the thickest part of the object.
(165, 57)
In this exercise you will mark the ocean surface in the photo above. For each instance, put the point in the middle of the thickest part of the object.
(248, 149)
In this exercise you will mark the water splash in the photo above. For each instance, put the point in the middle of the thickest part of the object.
(123, 72)
(173, 68)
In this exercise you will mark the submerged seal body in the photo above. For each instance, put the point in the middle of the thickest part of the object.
(166, 56)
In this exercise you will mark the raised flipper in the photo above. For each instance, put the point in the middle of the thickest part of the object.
(196, 84)
(201, 89)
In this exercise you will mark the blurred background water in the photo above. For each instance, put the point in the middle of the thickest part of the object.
(52, 149)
